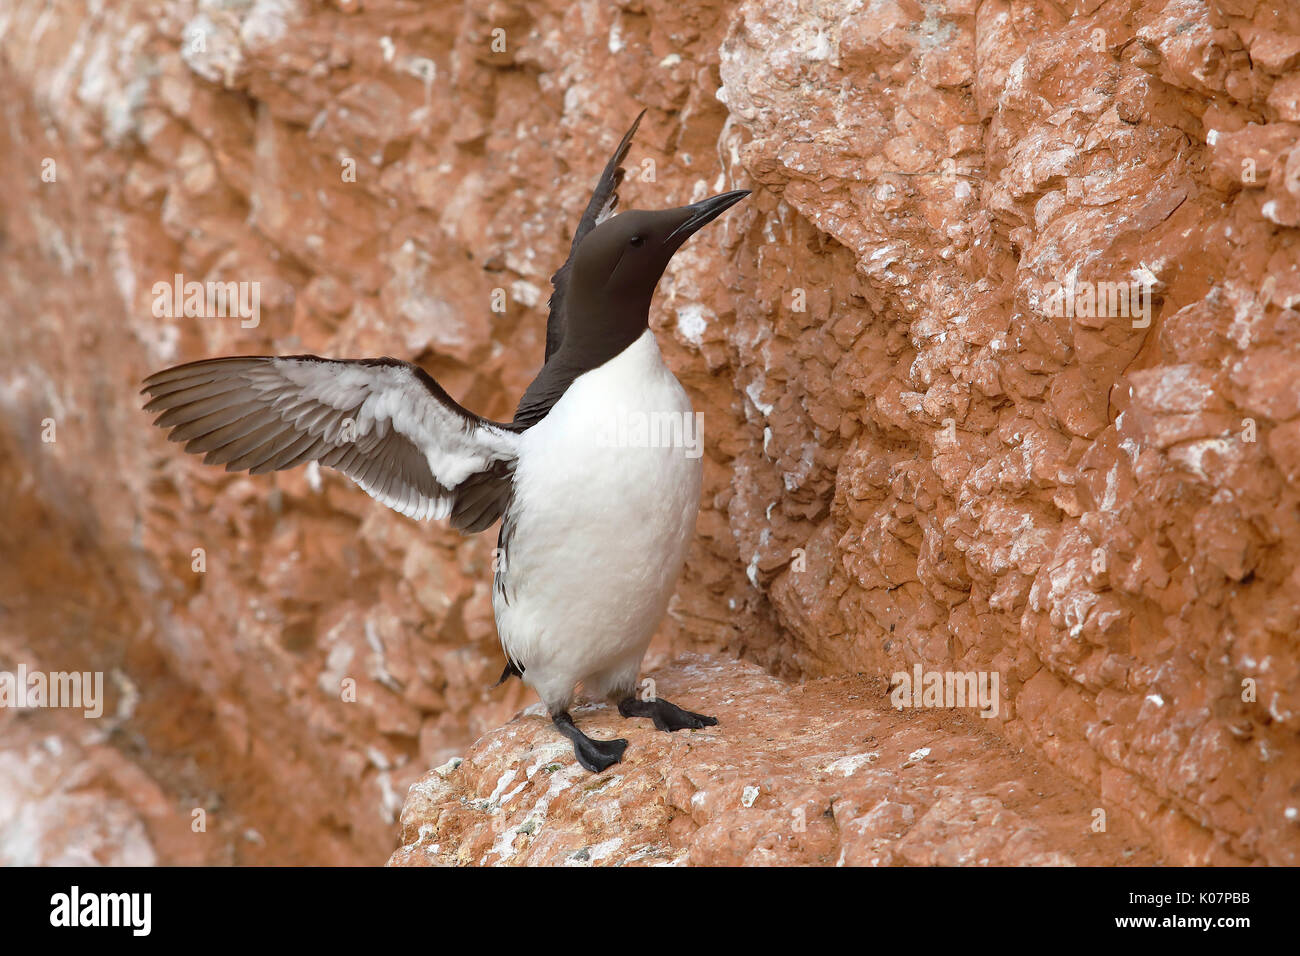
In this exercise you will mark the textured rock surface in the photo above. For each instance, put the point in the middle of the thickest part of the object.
(910, 458)
(818, 773)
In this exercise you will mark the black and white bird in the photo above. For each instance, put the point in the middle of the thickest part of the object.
(594, 530)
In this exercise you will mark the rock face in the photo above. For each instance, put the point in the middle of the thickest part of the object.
(927, 442)
(816, 773)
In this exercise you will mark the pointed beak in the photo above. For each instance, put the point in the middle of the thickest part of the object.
(702, 213)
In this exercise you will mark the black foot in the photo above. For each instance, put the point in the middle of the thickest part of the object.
(595, 755)
(665, 715)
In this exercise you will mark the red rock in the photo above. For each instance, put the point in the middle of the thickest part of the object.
(910, 460)
(824, 773)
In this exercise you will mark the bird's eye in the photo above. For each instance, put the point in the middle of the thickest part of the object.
(637, 240)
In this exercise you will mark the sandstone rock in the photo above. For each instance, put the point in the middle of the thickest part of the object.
(52, 814)
(822, 773)
(913, 456)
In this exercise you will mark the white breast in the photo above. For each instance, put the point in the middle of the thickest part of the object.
(605, 497)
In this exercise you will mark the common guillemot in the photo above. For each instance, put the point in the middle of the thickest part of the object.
(593, 531)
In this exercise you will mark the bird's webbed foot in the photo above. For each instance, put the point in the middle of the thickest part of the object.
(595, 755)
(666, 715)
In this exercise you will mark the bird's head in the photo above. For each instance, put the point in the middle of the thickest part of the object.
(618, 264)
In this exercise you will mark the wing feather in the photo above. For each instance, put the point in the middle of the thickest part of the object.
(384, 423)
(600, 207)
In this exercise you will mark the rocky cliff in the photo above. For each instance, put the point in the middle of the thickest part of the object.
(998, 374)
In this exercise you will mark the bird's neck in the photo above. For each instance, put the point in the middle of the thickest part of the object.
(594, 336)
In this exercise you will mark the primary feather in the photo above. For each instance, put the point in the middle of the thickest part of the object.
(384, 423)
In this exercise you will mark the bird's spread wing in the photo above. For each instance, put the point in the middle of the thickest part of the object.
(384, 423)
(601, 206)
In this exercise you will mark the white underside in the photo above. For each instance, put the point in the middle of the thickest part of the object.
(600, 531)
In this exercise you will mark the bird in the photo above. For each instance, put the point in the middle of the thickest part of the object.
(595, 522)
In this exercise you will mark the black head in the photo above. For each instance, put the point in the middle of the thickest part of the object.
(618, 264)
